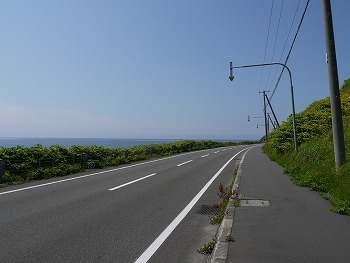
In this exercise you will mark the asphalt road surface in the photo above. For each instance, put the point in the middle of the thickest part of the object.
(142, 212)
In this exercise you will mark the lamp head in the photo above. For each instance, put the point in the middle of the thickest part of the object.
(231, 77)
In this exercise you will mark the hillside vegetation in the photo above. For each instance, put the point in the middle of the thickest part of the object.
(23, 164)
(314, 166)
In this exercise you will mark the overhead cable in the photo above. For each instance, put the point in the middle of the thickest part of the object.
(290, 50)
(286, 42)
(267, 41)
(274, 46)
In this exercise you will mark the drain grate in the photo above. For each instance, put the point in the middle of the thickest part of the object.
(207, 210)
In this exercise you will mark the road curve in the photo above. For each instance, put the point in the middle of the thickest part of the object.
(115, 215)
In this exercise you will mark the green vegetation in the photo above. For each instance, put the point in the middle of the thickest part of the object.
(224, 193)
(314, 166)
(237, 203)
(35, 163)
(208, 248)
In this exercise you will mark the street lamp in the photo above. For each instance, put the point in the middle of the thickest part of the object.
(266, 131)
(231, 77)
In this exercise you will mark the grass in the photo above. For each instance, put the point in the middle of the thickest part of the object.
(314, 167)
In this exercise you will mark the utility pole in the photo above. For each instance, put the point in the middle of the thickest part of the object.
(268, 125)
(337, 121)
(265, 117)
(274, 115)
(270, 119)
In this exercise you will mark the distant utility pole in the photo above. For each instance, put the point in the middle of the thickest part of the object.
(269, 119)
(337, 121)
(265, 117)
(273, 112)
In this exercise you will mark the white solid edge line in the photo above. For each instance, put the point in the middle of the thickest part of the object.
(134, 181)
(164, 235)
(184, 163)
(88, 175)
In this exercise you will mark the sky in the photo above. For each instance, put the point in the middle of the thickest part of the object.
(159, 68)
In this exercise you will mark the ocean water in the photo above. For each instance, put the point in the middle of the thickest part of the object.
(106, 142)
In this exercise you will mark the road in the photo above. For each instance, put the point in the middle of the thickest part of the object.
(142, 212)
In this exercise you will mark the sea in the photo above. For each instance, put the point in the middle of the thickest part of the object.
(68, 142)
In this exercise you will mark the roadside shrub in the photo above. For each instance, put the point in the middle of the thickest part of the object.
(38, 162)
(314, 121)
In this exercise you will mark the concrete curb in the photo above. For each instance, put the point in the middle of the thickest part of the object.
(219, 254)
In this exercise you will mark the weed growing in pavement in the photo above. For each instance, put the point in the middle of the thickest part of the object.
(229, 238)
(216, 206)
(237, 203)
(208, 248)
(224, 193)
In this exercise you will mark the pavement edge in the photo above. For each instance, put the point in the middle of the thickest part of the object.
(220, 250)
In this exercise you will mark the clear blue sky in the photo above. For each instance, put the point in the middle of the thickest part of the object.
(157, 68)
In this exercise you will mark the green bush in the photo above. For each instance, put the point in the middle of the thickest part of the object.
(38, 162)
(314, 121)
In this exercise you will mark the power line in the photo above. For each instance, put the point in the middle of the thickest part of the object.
(285, 43)
(274, 46)
(267, 41)
(290, 50)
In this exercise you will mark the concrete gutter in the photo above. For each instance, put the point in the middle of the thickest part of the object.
(224, 236)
